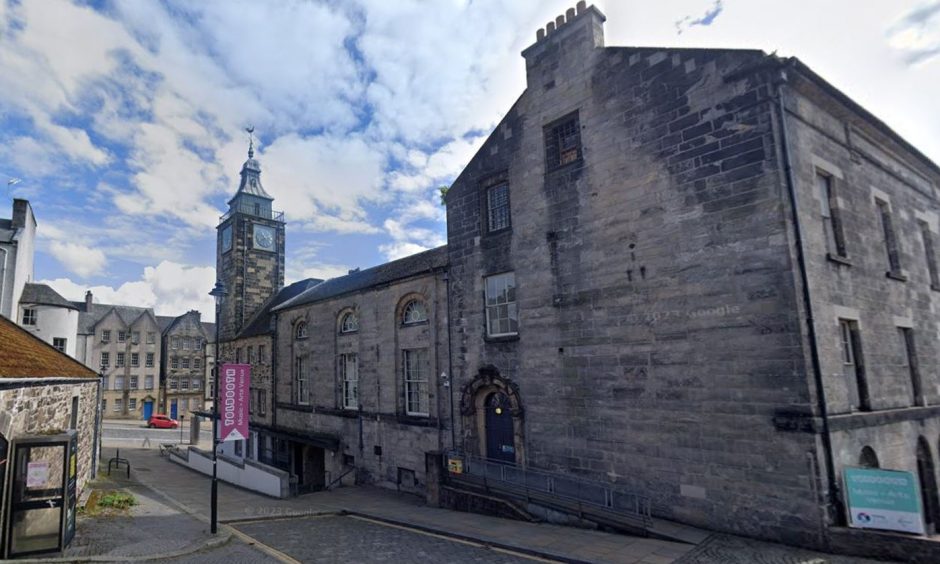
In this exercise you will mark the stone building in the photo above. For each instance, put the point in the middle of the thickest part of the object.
(182, 372)
(44, 392)
(249, 252)
(123, 344)
(357, 385)
(705, 275)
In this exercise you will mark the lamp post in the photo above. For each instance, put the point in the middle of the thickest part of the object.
(219, 294)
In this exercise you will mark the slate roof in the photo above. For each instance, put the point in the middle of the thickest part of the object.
(87, 319)
(25, 356)
(420, 263)
(41, 294)
(164, 321)
(209, 328)
(260, 323)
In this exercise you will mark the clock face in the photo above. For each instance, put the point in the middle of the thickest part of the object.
(227, 239)
(264, 237)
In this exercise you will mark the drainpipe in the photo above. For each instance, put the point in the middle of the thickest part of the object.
(274, 372)
(97, 435)
(833, 496)
(450, 363)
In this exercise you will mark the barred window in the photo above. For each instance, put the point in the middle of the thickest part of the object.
(497, 207)
(502, 316)
(414, 312)
(562, 143)
(349, 376)
(415, 368)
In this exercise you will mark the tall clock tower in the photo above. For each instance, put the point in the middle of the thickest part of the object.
(249, 250)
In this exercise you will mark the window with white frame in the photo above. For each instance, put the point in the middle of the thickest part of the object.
(105, 359)
(148, 382)
(197, 362)
(148, 362)
(59, 343)
(135, 360)
(118, 382)
(118, 405)
(502, 316)
(122, 336)
(197, 383)
(132, 404)
(184, 384)
(300, 332)
(185, 361)
(29, 316)
(349, 323)
(175, 362)
(135, 337)
(415, 368)
(133, 382)
(105, 335)
(174, 342)
(120, 360)
(349, 376)
(151, 337)
(414, 312)
(300, 382)
(173, 383)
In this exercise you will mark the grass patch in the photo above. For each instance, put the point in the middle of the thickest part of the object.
(117, 500)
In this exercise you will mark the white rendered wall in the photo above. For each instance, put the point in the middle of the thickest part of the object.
(54, 322)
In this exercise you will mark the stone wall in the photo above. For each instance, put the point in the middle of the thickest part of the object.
(184, 384)
(380, 436)
(47, 409)
(144, 325)
(659, 331)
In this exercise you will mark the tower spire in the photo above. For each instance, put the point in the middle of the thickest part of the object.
(251, 141)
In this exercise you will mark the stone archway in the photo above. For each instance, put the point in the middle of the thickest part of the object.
(487, 403)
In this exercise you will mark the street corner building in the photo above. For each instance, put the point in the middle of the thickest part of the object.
(49, 422)
(704, 276)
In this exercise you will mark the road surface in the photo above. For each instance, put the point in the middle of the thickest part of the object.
(137, 431)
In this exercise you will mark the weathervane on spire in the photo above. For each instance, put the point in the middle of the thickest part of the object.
(251, 141)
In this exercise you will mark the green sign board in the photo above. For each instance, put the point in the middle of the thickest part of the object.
(883, 499)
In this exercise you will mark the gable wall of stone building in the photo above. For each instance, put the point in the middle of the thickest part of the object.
(189, 392)
(143, 325)
(659, 332)
(381, 437)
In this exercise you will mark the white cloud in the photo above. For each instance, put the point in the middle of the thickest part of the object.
(170, 288)
(79, 259)
(408, 240)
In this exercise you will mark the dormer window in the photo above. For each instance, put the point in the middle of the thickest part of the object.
(414, 312)
(349, 323)
(300, 332)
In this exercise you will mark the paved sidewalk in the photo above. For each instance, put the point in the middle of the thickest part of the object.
(287, 524)
(564, 543)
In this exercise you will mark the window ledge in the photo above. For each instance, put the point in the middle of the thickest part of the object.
(497, 232)
(501, 338)
(414, 324)
(417, 420)
(338, 412)
(839, 259)
(295, 407)
(899, 276)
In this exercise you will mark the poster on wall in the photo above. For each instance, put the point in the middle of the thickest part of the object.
(37, 474)
(883, 499)
(234, 380)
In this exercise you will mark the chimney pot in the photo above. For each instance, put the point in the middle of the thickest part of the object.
(569, 14)
(559, 21)
(549, 28)
(582, 6)
(540, 34)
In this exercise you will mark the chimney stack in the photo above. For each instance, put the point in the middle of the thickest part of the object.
(568, 42)
(88, 300)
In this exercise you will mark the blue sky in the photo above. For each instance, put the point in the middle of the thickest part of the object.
(124, 120)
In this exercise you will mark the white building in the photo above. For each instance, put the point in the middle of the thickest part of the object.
(49, 316)
(17, 244)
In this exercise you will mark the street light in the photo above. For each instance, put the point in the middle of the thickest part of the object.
(219, 294)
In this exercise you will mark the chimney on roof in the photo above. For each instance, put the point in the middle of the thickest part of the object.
(22, 214)
(88, 300)
(565, 44)
(353, 270)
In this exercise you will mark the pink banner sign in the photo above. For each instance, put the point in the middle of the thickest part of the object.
(233, 402)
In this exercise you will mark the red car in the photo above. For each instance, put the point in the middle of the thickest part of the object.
(162, 422)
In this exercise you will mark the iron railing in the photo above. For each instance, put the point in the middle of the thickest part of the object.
(542, 486)
(249, 209)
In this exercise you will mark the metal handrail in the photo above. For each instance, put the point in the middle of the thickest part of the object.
(583, 491)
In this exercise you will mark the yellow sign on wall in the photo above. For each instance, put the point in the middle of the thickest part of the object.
(455, 465)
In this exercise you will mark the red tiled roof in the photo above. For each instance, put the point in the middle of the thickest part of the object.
(22, 355)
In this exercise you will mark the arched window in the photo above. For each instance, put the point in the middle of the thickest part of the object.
(349, 323)
(300, 332)
(414, 312)
(868, 458)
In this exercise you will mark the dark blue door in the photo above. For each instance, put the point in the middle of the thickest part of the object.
(148, 410)
(173, 409)
(499, 433)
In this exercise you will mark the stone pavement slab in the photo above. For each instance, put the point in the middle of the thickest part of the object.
(728, 549)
